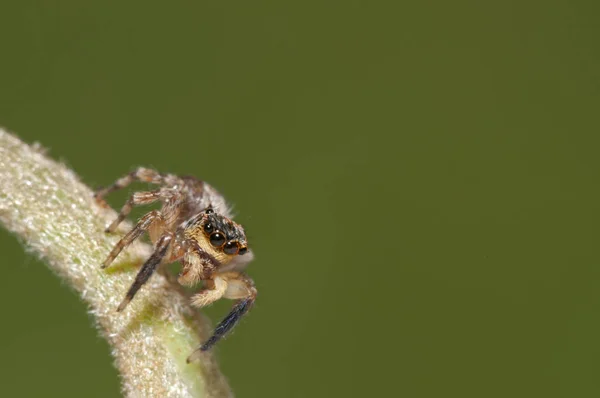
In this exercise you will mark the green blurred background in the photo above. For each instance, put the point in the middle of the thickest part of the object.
(420, 183)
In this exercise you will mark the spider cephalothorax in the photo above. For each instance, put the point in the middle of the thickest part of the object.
(217, 233)
(194, 226)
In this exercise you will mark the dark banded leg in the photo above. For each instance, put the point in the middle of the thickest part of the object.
(232, 285)
(237, 312)
(143, 225)
(162, 247)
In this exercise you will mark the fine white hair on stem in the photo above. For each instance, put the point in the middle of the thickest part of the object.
(46, 205)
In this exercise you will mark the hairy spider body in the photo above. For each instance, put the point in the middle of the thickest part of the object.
(193, 226)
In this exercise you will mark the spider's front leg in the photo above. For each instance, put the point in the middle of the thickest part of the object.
(232, 285)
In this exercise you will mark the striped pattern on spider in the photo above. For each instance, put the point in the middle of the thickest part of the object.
(193, 226)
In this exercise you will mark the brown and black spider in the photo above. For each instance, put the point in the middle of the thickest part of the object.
(194, 227)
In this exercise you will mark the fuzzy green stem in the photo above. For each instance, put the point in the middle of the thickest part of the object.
(46, 205)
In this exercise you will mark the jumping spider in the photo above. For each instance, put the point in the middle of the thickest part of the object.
(194, 227)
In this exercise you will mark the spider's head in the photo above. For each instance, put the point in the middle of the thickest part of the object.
(220, 236)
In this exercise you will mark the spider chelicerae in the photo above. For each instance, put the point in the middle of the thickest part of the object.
(193, 226)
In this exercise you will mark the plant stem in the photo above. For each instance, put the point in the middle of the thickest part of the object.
(46, 205)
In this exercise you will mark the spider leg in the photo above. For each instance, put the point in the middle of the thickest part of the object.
(138, 198)
(214, 290)
(232, 285)
(149, 220)
(140, 174)
(162, 248)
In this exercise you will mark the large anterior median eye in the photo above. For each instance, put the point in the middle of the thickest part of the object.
(217, 239)
(231, 247)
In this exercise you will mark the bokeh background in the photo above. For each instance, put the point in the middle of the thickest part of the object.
(420, 182)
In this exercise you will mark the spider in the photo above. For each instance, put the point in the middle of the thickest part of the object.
(193, 226)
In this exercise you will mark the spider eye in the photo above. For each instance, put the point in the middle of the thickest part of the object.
(242, 250)
(209, 210)
(208, 228)
(231, 247)
(217, 239)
